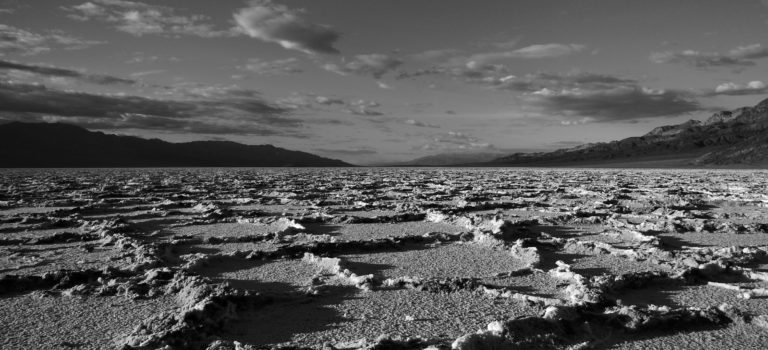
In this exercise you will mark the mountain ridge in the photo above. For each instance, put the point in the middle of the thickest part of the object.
(728, 138)
(38, 145)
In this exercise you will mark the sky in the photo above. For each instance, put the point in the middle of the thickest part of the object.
(377, 81)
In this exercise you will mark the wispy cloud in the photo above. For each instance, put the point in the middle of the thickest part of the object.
(455, 60)
(455, 141)
(270, 22)
(530, 52)
(626, 102)
(147, 72)
(140, 19)
(375, 65)
(323, 100)
(432, 55)
(479, 67)
(142, 57)
(538, 51)
(14, 40)
(755, 87)
(383, 85)
(575, 80)
(740, 56)
(420, 123)
(364, 108)
(65, 73)
(226, 111)
(270, 68)
(472, 71)
(359, 107)
(588, 97)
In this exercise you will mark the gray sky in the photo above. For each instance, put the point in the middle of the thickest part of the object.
(370, 81)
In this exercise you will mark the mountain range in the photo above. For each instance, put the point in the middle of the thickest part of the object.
(64, 145)
(737, 138)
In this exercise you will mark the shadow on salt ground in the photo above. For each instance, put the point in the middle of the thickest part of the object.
(263, 276)
(323, 229)
(760, 265)
(660, 294)
(530, 290)
(674, 242)
(699, 206)
(730, 278)
(73, 345)
(150, 225)
(591, 271)
(224, 265)
(549, 258)
(12, 229)
(538, 284)
(557, 231)
(144, 216)
(363, 268)
(281, 322)
(346, 253)
(108, 211)
(193, 248)
(29, 228)
(260, 286)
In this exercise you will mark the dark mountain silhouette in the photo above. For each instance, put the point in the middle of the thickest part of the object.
(737, 138)
(63, 145)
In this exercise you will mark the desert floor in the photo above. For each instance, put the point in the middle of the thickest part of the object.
(381, 258)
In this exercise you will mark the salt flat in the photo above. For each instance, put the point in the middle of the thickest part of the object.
(396, 257)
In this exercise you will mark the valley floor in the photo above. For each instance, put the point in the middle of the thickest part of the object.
(405, 258)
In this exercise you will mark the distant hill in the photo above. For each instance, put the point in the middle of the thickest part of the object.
(63, 145)
(446, 159)
(737, 138)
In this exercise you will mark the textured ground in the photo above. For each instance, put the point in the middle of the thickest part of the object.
(395, 258)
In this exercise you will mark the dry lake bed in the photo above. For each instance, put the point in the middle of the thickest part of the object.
(384, 258)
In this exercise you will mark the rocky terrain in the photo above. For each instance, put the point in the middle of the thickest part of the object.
(36, 145)
(383, 259)
(737, 138)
